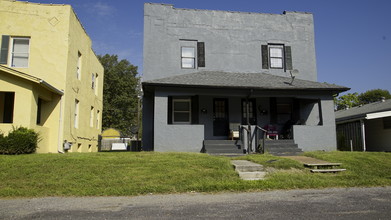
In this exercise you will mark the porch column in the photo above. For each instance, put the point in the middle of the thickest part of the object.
(364, 147)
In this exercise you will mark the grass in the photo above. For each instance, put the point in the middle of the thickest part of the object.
(131, 173)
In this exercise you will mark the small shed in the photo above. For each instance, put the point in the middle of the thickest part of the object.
(365, 128)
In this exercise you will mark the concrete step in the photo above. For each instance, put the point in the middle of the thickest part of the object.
(246, 166)
(282, 147)
(259, 175)
(248, 170)
(222, 142)
(327, 170)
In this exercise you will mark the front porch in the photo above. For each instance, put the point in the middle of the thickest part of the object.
(182, 113)
(188, 120)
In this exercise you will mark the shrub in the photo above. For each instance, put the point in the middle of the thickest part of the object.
(2, 142)
(19, 141)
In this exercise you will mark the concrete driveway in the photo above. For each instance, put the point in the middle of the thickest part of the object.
(350, 203)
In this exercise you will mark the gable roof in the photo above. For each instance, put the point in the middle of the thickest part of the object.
(258, 81)
(360, 112)
(30, 78)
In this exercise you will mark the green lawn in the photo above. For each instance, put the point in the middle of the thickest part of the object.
(132, 173)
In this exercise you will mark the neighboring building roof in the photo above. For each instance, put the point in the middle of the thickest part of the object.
(31, 78)
(258, 81)
(361, 112)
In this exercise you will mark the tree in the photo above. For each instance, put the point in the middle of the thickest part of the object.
(373, 95)
(354, 99)
(349, 100)
(120, 94)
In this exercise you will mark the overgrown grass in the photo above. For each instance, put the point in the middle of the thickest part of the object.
(128, 173)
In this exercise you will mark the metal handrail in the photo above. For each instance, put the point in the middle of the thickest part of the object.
(262, 149)
(248, 138)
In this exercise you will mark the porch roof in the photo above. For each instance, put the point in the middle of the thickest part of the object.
(361, 112)
(30, 78)
(257, 81)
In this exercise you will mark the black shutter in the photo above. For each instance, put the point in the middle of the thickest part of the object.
(201, 54)
(265, 57)
(4, 49)
(288, 58)
(169, 110)
(194, 110)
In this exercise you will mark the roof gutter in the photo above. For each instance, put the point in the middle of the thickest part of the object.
(50, 87)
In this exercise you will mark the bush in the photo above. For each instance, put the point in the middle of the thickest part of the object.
(19, 141)
(2, 142)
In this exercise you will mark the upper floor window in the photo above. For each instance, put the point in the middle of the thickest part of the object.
(15, 51)
(96, 84)
(276, 56)
(78, 70)
(93, 81)
(192, 54)
(188, 57)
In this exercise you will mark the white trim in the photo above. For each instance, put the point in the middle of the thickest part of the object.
(378, 115)
(364, 145)
(11, 51)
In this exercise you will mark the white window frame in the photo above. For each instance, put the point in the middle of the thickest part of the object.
(76, 114)
(96, 84)
(93, 81)
(97, 119)
(11, 51)
(189, 57)
(282, 57)
(92, 117)
(174, 100)
(79, 64)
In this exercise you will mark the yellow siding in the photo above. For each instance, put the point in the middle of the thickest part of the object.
(56, 37)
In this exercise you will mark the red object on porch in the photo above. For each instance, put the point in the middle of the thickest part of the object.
(271, 131)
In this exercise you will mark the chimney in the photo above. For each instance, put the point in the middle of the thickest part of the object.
(383, 99)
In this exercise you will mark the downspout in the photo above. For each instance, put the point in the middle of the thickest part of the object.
(60, 129)
(363, 135)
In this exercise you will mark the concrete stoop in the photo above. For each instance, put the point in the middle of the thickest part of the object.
(248, 170)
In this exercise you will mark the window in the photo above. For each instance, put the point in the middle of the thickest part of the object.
(76, 114)
(39, 111)
(78, 70)
(15, 51)
(92, 81)
(7, 107)
(188, 57)
(252, 112)
(92, 117)
(97, 119)
(181, 109)
(96, 84)
(276, 56)
(387, 123)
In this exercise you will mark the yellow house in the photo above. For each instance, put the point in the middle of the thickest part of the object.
(50, 78)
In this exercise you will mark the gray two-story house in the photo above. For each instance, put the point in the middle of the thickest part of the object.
(207, 70)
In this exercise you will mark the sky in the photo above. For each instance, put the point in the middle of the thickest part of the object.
(352, 37)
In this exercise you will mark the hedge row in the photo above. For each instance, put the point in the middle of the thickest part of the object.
(19, 141)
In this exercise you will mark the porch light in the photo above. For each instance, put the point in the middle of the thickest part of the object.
(294, 73)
